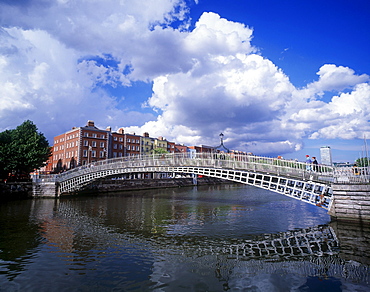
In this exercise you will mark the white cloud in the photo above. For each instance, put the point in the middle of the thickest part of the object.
(345, 117)
(40, 81)
(335, 78)
(57, 59)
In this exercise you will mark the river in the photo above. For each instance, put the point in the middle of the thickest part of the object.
(207, 238)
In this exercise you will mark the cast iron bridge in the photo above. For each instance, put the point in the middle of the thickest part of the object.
(308, 183)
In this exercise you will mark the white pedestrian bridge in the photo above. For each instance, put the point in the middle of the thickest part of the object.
(308, 183)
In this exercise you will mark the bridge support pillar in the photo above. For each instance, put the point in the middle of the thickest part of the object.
(45, 189)
(351, 203)
(195, 181)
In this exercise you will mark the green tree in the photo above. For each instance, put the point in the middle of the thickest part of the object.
(23, 150)
(160, 151)
(5, 153)
(362, 162)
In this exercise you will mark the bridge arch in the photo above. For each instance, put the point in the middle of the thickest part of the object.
(285, 177)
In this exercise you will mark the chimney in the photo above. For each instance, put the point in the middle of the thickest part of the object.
(146, 135)
(121, 131)
(108, 129)
(90, 123)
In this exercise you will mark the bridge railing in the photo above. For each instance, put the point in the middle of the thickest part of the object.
(352, 175)
(225, 160)
(216, 160)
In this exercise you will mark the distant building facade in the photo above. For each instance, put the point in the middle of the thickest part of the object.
(325, 154)
(83, 145)
(80, 146)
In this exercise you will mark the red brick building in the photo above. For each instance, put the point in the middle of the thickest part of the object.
(171, 147)
(84, 145)
(180, 148)
(80, 146)
(124, 144)
(87, 144)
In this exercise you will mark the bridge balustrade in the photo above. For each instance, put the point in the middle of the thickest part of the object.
(267, 165)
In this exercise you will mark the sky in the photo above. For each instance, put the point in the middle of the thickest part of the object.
(275, 77)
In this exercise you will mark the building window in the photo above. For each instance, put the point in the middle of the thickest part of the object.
(94, 144)
(115, 138)
(114, 146)
(128, 147)
(120, 146)
(101, 154)
(85, 153)
(101, 144)
(86, 143)
(94, 135)
(93, 153)
(121, 139)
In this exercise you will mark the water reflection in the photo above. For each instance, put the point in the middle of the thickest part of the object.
(205, 239)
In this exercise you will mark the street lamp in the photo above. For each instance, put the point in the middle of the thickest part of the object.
(222, 147)
(221, 138)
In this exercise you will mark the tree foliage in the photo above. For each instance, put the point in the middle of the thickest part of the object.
(22, 150)
(160, 151)
(363, 162)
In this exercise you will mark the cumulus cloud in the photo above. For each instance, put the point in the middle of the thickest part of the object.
(57, 59)
(335, 78)
(41, 80)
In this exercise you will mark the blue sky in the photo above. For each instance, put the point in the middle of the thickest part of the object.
(276, 77)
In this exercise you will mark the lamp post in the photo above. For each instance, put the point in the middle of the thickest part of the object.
(221, 138)
(222, 147)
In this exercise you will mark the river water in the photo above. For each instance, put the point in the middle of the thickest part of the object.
(206, 238)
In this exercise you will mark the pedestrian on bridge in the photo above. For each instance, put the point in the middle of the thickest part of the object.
(315, 164)
(308, 163)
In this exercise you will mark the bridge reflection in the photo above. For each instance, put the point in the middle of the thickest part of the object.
(311, 252)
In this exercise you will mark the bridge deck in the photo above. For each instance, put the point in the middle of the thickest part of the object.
(310, 183)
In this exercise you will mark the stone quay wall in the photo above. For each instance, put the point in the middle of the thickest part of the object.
(109, 185)
(15, 190)
(351, 202)
(27, 190)
(45, 190)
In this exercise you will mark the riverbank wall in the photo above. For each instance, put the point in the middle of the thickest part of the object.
(27, 190)
(351, 202)
(109, 185)
(15, 191)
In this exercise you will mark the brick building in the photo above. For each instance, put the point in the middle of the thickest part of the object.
(124, 144)
(80, 146)
(84, 145)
